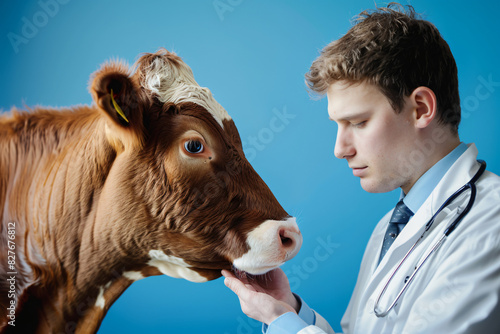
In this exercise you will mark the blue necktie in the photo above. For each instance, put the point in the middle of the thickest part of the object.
(400, 216)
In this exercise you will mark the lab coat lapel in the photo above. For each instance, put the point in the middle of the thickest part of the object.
(368, 265)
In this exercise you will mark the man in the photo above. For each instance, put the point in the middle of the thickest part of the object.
(392, 88)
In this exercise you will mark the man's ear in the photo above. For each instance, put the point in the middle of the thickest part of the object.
(425, 102)
(117, 96)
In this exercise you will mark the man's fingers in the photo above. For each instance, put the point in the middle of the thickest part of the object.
(235, 285)
(232, 282)
(244, 280)
(227, 273)
(257, 305)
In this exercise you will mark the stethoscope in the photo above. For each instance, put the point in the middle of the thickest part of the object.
(469, 185)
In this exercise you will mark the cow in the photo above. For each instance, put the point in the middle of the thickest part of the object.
(150, 179)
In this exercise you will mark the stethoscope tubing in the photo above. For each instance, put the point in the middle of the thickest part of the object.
(469, 185)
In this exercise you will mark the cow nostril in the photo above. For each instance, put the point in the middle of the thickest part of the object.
(285, 241)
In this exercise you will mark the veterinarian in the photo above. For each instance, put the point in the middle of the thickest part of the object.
(432, 264)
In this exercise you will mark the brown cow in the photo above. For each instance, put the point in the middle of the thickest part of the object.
(150, 180)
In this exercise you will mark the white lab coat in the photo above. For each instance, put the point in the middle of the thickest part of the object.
(458, 289)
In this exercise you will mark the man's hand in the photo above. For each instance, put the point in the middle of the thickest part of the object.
(263, 298)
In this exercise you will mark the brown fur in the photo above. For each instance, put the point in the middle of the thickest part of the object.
(91, 195)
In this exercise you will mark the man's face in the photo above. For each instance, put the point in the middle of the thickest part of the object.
(375, 141)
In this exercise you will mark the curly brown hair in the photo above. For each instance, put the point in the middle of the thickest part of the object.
(396, 50)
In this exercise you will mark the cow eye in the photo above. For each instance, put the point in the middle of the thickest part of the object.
(193, 146)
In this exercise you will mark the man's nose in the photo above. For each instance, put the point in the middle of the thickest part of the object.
(344, 147)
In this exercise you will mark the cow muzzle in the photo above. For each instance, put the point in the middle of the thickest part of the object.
(271, 244)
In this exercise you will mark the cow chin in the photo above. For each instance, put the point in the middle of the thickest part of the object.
(271, 244)
(176, 267)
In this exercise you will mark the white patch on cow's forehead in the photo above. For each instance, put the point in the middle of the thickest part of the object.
(173, 266)
(176, 84)
(133, 275)
(101, 302)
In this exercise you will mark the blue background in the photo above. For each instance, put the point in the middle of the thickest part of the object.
(253, 56)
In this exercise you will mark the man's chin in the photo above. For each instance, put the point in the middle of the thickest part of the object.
(375, 187)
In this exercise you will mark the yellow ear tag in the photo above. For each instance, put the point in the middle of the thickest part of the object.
(117, 107)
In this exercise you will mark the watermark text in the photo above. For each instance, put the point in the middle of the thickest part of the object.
(12, 273)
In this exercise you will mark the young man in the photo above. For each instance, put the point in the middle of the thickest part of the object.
(392, 88)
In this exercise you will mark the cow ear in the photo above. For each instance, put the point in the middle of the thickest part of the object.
(116, 95)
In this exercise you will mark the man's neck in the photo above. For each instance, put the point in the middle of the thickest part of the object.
(435, 153)
(424, 186)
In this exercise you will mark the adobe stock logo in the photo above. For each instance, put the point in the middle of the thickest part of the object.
(483, 91)
(300, 272)
(31, 27)
(223, 6)
(252, 145)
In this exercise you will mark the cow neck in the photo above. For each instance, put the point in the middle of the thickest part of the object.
(54, 237)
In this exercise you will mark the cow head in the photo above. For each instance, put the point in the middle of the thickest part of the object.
(181, 198)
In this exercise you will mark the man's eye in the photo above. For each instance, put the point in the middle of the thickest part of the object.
(360, 124)
(193, 146)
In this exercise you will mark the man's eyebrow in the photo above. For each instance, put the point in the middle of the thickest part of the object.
(350, 116)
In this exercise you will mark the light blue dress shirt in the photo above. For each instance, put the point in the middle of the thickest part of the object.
(292, 323)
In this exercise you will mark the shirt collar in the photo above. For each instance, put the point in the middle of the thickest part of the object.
(424, 186)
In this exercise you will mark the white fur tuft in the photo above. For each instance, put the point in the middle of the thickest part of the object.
(175, 83)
